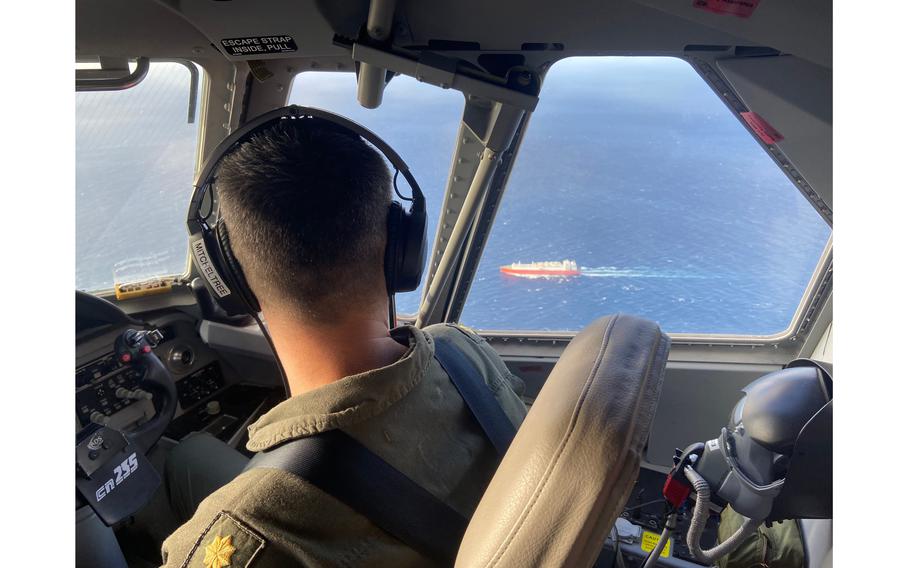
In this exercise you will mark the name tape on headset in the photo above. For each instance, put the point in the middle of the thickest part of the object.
(208, 270)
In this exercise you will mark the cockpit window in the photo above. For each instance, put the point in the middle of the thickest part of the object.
(636, 190)
(135, 158)
(419, 121)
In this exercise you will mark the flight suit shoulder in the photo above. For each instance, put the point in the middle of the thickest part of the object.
(506, 386)
(268, 518)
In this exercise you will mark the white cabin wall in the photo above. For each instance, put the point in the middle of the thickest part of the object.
(824, 350)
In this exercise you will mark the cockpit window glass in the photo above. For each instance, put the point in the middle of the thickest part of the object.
(135, 158)
(418, 120)
(636, 190)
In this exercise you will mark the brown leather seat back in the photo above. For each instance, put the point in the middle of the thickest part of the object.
(570, 469)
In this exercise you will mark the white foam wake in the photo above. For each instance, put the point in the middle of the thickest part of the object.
(614, 272)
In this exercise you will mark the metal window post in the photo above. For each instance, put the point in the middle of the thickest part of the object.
(493, 114)
(485, 170)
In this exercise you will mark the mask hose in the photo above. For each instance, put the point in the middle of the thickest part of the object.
(669, 527)
(700, 517)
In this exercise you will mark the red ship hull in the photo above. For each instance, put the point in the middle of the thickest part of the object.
(538, 272)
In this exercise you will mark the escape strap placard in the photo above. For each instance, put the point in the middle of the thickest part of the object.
(259, 45)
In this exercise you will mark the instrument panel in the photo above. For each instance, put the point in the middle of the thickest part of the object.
(101, 388)
(109, 391)
(200, 385)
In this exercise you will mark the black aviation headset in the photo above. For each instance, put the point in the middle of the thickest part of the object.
(405, 252)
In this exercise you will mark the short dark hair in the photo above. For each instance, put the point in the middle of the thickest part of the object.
(306, 206)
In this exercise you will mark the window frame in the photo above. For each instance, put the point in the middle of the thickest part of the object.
(201, 115)
(806, 316)
(818, 289)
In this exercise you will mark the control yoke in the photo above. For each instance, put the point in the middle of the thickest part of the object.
(112, 474)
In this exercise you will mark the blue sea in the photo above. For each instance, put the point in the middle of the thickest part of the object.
(631, 167)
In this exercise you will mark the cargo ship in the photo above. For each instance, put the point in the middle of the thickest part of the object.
(548, 268)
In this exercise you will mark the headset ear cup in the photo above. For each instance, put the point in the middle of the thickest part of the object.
(415, 254)
(393, 252)
(232, 265)
(406, 253)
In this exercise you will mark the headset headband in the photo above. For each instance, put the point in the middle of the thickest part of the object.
(245, 132)
(209, 244)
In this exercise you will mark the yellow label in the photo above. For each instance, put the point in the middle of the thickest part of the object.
(649, 542)
(125, 291)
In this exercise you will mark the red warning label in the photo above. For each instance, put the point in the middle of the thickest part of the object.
(761, 127)
(741, 8)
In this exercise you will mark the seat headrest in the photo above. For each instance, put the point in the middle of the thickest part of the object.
(571, 467)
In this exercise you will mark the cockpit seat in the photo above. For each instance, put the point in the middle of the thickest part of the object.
(573, 462)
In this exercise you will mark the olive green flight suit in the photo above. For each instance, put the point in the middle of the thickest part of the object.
(409, 413)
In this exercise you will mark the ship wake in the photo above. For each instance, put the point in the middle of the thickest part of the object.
(614, 272)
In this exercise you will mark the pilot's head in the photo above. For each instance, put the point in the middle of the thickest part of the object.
(305, 206)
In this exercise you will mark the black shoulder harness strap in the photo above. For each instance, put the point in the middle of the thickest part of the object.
(477, 396)
(342, 467)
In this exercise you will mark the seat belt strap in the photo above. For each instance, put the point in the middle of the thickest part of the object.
(476, 394)
(339, 465)
(342, 467)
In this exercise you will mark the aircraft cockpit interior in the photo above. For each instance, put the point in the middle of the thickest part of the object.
(615, 215)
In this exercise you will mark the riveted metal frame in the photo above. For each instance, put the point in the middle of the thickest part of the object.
(489, 132)
(810, 318)
(728, 95)
(465, 159)
(480, 231)
(492, 116)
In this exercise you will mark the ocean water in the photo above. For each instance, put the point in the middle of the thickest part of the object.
(647, 178)
(631, 167)
(135, 154)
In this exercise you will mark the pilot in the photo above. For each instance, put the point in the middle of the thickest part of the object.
(306, 210)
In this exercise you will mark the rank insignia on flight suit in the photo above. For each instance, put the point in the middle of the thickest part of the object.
(225, 542)
(218, 552)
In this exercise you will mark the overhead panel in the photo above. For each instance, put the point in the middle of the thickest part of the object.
(251, 29)
(135, 28)
(281, 29)
(801, 28)
(592, 26)
(794, 97)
